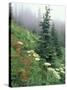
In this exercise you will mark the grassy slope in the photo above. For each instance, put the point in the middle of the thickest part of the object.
(19, 74)
(29, 41)
(23, 35)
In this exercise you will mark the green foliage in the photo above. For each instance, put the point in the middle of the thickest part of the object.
(23, 35)
(45, 49)
(46, 21)
(36, 60)
(29, 41)
(53, 76)
(55, 42)
(35, 74)
(49, 50)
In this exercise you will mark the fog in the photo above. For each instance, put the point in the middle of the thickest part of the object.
(30, 16)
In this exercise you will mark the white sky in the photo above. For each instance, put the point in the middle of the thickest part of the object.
(57, 12)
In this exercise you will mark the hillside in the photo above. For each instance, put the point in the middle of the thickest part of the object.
(23, 44)
(25, 62)
(23, 35)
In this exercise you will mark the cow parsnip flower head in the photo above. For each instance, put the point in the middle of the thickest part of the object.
(62, 72)
(37, 59)
(30, 51)
(35, 55)
(55, 73)
(57, 69)
(20, 43)
(51, 69)
(61, 69)
(47, 64)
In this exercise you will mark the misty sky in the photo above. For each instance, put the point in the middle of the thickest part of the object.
(30, 16)
(57, 12)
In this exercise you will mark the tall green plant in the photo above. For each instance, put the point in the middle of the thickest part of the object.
(45, 48)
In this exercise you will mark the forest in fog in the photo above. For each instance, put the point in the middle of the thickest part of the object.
(37, 44)
(29, 18)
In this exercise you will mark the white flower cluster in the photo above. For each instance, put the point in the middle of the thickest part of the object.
(47, 64)
(37, 59)
(34, 54)
(55, 73)
(30, 51)
(20, 43)
(57, 69)
(61, 69)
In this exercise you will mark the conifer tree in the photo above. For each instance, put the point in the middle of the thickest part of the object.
(55, 42)
(45, 48)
